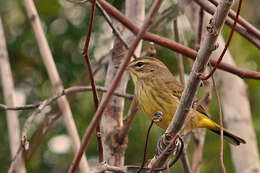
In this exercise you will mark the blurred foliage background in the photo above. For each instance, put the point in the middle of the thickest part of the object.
(65, 26)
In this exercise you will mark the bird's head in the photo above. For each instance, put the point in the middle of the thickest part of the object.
(146, 68)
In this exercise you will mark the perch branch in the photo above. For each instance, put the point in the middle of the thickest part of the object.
(202, 59)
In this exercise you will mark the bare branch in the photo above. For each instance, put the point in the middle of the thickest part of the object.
(9, 96)
(42, 130)
(67, 91)
(105, 167)
(180, 58)
(248, 26)
(242, 31)
(185, 162)
(93, 85)
(54, 78)
(221, 127)
(110, 23)
(128, 121)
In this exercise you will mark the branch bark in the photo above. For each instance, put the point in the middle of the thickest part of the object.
(9, 96)
(67, 91)
(112, 120)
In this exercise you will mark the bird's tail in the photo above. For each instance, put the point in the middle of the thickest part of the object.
(228, 136)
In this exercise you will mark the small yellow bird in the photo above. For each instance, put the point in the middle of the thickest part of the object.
(157, 90)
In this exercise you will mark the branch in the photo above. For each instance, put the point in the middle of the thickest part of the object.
(128, 121)
(202, 59)
(179, 56)
(248, 26)
(243, 73)
(9, 96)
(185, 162)
(67, 91)
(112, 88)
(221, 127)
(42, 130)
(226, 46)
(93, 85)
(105, 167)
(54, 78)
(115, 31)
(243, 32)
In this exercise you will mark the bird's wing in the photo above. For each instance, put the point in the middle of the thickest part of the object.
(200, 108)
(176, 89)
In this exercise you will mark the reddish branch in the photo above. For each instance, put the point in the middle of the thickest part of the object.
(115, 31)
(91, 76)
(226, 46)
(128, 122)
(243, 73)
(112, 88)
(241, 30)
(249, 27)
(199, 33)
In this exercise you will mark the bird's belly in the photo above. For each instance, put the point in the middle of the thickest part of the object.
(150, 105)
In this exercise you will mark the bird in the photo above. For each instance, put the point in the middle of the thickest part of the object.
(157, 90)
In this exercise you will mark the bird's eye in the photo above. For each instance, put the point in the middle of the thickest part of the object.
(140, 64)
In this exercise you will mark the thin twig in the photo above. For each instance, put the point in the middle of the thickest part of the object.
(226, 46)
(185, 162)
(93, 85)
(248, 26)
(180, 58)
(14, 160)
(200, 28)
(103, 167)
(221, 127)
(157, 117)
(42, 130)
(145, 147)
(110, 23)
(128, 121)
(112, 88)
(165, 151)
(243, 73)
(67, 91)
(242, 31)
